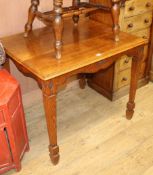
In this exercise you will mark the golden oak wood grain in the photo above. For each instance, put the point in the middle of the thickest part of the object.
(82, 46)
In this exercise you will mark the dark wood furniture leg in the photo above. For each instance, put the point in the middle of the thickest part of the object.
(49, 97)
(82, 81)
(136, 62)
(115, 16)
(75, 18)
(31, 16)
(58, 27)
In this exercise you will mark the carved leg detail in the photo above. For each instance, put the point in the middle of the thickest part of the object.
(54, 154)
(115, 16)
(49, 96)
(58, 27)
(136, 61)
(130, 110)
(31, 16)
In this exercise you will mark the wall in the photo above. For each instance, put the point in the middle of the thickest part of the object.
(13, 16)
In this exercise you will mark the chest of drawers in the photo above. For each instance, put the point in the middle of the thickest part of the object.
(135, 18)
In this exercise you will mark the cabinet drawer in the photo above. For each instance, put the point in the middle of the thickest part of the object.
(144, 33)
(124, 78)
(125, 62)
(135, 7)
(136, 23)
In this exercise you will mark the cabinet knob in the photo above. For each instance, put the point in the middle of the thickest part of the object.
(146, 21)
(148, 4)
(145, 37)
(126, 61)
(130, 25)
(131, 8)
(124, 79)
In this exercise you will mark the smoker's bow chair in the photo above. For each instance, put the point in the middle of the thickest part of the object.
(56, 16)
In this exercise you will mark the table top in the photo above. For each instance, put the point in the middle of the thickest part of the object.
(88, 43)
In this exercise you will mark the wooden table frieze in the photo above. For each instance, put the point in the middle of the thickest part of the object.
(35, 58)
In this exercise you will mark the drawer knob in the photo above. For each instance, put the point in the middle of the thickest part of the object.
(130, 25)
(145, 37)
(146, 21)
(131, 8)
(124, 79)
(148, 4)
(126, 61)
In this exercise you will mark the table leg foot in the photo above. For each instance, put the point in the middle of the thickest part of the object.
(130, 110)
(54, 154)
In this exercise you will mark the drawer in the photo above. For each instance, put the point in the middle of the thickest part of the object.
(125, 62)
(124, 78)
(144, 33)
(135, 7)
(137, 22)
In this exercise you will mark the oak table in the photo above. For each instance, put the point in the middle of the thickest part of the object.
(87, 48)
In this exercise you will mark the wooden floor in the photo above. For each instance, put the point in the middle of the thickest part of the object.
(94, 136)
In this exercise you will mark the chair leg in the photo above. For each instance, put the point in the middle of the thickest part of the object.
(75, 18)
(31, 16)
(58, 27)
(115, 15)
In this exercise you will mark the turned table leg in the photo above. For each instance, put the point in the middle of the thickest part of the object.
(115, 16)
(75, 3)
(58, 27)
(49, 97)
(31, 16)
(136, 62)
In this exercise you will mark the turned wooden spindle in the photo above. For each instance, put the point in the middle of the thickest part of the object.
(31, 16)
(115, 15)
(58, 27)
(75, 18)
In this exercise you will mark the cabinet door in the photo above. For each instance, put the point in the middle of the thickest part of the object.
(5, 154)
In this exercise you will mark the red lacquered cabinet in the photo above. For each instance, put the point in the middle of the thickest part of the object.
(13, 133)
